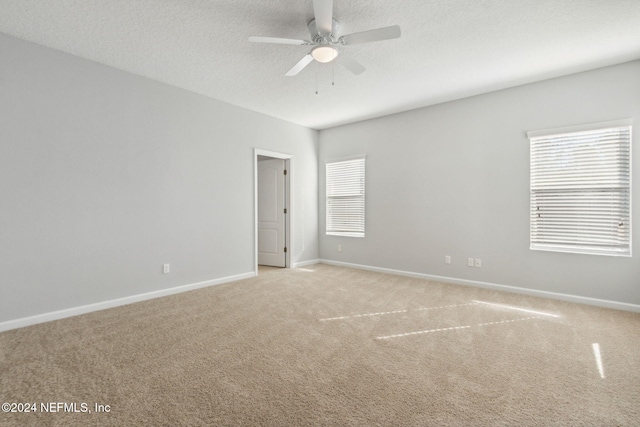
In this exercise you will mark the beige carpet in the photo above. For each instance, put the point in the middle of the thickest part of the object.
(330, 346)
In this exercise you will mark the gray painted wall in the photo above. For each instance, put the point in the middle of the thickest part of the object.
(453, 179)
(105, 176)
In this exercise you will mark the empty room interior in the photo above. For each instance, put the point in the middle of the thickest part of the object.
(319, 212)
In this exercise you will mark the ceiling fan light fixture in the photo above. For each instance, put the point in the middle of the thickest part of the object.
(324, 53)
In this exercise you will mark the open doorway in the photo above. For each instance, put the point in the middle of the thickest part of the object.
(272, 201)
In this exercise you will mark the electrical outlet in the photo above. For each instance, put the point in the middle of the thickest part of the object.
(470, 262)
(447, 259)
(166, 268)
(478, 262)
(339, 248)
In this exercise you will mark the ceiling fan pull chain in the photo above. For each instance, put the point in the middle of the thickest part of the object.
(316, 78)
(333, 73)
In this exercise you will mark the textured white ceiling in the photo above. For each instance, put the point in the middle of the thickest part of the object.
(449, 49)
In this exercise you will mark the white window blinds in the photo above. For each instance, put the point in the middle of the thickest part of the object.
(580, 190)
(345, 197)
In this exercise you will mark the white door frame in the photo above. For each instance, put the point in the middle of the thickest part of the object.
(288, 189)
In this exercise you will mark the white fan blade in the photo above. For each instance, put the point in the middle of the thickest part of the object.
(300, 65)
(323, 11)
(379, 34)
(257, 39)
(350, 64)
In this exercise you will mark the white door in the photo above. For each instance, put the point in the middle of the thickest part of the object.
(271, 212)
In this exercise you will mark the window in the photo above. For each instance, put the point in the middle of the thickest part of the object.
(345, 197)
(580, 189)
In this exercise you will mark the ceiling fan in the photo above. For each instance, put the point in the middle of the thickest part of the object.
(323, 30)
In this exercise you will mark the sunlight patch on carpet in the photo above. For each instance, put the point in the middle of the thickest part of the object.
(455, 328)
(510, 307)
(596, 354)
(381, 313)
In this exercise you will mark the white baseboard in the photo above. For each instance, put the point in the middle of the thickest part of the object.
(305, 263)
(75, 311)
(513, 289)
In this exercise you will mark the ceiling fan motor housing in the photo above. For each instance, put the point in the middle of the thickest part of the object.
(316, 37)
